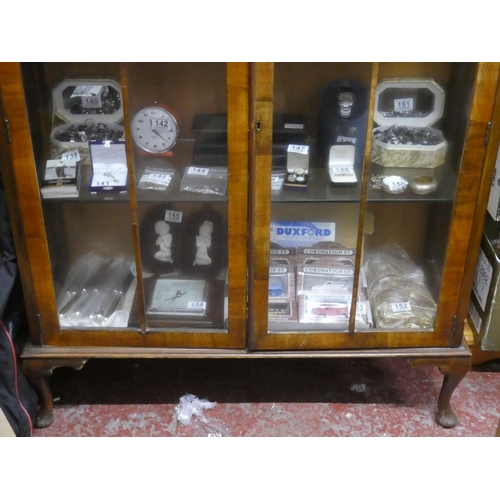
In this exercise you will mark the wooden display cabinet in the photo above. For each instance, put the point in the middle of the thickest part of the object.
(238, 105)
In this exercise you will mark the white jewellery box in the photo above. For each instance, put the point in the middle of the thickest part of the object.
(405, 111)
(85, 110)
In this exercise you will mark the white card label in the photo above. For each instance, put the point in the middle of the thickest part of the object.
(403, 104)
(482, 279)
(348, 140)
(91, 102)
(361, 308)
(296, 148)
(133, 269)
(197, 304)
(173, 216)
(400, 306)
(72, 155)
(198, 171)
(277, 182)
(160, 124)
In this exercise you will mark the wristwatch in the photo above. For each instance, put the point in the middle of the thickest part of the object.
(346, 100)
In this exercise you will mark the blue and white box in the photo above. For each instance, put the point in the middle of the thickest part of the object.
(295, 234)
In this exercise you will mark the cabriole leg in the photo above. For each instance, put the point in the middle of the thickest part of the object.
(38, 371)
(454, 370)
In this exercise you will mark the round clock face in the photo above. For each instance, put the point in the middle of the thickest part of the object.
(154, 129)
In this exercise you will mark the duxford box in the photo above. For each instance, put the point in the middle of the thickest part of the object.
(484, 306)
(405, 111)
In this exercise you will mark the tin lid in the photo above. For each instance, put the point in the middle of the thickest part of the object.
(411, 102)
(77, 100)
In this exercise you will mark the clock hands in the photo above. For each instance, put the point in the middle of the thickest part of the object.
(176, 296)
(160, 136)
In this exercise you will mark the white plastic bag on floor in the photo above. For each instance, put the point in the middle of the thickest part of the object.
(190, 406)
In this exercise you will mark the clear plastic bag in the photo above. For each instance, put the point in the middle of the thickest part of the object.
(156, 179)
(190, 410)
(397, 291)
(205, 180)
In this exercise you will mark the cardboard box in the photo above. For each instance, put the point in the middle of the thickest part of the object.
(494, 199)
(282, 311)
(281, 282)
(484, 306)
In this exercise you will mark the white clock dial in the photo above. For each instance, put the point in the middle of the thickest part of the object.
(154, 129)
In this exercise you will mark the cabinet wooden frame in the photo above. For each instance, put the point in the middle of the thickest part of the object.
(481, 79)
(250, 113)
(31, 232)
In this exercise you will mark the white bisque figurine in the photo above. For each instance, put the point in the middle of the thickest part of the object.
(203, 243)
(164, 241)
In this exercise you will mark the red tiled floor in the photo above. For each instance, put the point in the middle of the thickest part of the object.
(269, 398)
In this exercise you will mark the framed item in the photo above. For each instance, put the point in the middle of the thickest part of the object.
(179, 297)
(159, 232)
(184, 302)
(203, 243)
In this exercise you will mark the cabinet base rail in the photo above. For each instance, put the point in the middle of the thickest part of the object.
(39, 362)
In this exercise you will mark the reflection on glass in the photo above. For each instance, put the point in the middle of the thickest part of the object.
(178, 123)
(419, 124)
(76, 120)
(319, 135)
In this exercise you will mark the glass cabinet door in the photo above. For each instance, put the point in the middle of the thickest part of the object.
(367, 168)
(133, 163)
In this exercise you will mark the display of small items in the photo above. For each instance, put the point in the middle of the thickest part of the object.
(399, 134)
(87, 131)
(105, 98)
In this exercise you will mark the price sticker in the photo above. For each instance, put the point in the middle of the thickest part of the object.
(160, 124)
(198, 171)
(394, 184)
(133, 269)
(72, 155)
(163, 179)
(173, 216)
(297, 148)
(277, 182)
(482, 279)
(346, 140)
(361, 308)
(400, 307)
(342, 170)
(197, 304)
(91, 102)
(403, 104)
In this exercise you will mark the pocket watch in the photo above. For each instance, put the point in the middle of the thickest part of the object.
(155, 129)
